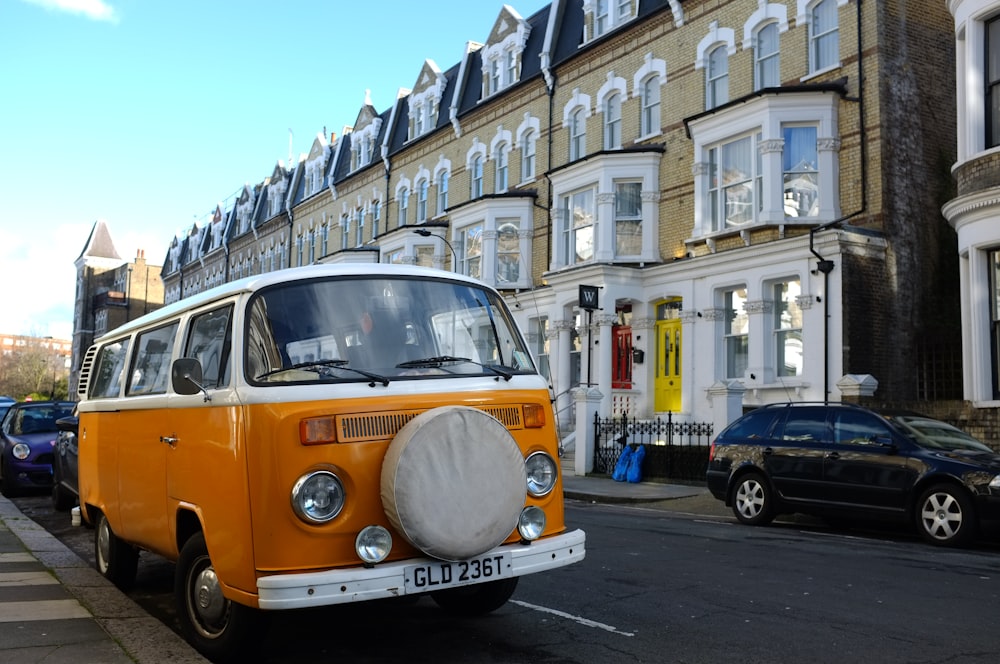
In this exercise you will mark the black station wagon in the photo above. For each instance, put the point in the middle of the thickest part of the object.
(843, 461)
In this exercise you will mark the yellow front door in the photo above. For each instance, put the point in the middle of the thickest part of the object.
(668, 365)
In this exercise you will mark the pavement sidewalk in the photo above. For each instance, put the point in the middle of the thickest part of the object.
(57, 609)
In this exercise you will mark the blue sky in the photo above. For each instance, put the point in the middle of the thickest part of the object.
(148, 113)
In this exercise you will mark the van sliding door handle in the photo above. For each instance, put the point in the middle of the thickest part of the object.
(169, 440)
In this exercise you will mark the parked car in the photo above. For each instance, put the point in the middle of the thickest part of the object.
(27, 438)
(845, 462)
(65, 489)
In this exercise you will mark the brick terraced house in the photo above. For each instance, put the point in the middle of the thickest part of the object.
(754, 189)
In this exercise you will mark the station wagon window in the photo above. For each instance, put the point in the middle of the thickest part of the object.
(108, 369)
(209, 342)
(857, 427)
(807, 424)
(151, 366)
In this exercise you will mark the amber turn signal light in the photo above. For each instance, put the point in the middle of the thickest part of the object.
(318, 431)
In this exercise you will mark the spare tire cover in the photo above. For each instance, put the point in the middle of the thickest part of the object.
(453, 482)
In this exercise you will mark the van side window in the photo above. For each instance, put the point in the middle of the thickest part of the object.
(151, 367)
(209, 341)
(109, 367)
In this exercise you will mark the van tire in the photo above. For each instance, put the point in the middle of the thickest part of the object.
(217, 627)
(116, 560)
(453, 482)
(476, 600)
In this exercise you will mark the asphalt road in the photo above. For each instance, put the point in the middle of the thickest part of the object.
(678, 581)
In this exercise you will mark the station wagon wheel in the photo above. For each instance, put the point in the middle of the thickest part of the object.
(945, 516)
(116, 560)
(752, 502)
(62, 499)
(476, 600)
(219, 628)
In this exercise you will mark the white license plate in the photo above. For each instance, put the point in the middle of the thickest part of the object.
(440, 575)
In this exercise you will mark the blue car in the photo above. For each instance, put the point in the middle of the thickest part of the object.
(27, 439)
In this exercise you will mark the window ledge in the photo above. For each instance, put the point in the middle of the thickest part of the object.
(820, 72)
(647, 137)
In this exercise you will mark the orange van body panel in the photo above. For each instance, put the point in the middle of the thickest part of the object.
(276, 459)
(235, 466)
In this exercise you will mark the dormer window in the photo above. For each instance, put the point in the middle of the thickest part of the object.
(606, 15)
(315, 165)
(276, 196)
(363, 144)
(502, 54)
(425, 100)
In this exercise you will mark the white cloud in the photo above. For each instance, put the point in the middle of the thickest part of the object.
(39, 280)
(38, 276)
(96, 10)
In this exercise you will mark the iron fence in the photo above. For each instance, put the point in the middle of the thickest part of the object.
(674, 450)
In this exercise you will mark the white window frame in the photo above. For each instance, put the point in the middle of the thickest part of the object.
(442, 191)
(612, 108)
(422, 188)
(731, 337)
(578, 134)
(807, 11)
(767, 65)
(717, 77)
(650, 120)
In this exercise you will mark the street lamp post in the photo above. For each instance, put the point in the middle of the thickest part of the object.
(423, 232)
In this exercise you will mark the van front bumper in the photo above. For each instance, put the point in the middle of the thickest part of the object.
(360, 584)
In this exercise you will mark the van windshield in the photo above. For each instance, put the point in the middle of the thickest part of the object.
(379, 329)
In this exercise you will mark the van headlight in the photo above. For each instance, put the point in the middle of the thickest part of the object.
(531, 523)
(318, 497)
(373, 544)
(542, 474)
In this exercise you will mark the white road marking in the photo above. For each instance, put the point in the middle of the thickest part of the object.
(583, 621)
(26, 579)
(55, 609)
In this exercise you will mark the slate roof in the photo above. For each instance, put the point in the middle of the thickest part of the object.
(99, 244)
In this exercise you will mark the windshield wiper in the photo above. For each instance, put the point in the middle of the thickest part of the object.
(438, 360)
(336, 364)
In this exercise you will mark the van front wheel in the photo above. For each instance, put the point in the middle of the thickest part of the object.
(117, 561)
(219, 628)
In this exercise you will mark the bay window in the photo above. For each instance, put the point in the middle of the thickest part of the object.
(773, 160)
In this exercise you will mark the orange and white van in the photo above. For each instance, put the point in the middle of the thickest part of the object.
(322, 435)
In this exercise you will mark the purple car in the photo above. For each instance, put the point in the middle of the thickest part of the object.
(27, 437)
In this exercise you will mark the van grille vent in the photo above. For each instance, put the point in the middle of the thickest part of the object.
(381, 426)
(83, 384)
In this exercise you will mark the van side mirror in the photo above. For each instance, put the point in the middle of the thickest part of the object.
(185, 377)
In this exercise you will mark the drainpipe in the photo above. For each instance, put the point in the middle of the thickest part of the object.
(822, 264)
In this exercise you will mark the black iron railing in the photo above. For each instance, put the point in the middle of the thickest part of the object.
(674, 450)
